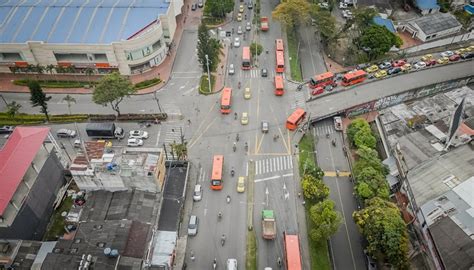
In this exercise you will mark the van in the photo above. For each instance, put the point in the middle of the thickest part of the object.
(193, 225)
(197, 194)
(231, 264)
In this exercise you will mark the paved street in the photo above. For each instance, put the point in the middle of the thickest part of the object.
(310, 52)
(346, 249)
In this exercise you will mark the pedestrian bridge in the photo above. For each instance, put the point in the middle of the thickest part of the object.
(379, 94)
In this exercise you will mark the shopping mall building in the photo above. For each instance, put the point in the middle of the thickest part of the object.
(79, 36)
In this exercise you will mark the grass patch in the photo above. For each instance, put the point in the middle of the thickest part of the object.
(55, 84)
(147, 83)
(251, 251)
(204, 84)
(306, 155)
(212, 21)
(56, 225)
(293, 52)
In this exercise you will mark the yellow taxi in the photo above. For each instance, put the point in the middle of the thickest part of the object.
(239, 17)
(380, 74)
(470, 48)
(241, 184)
(461, 51)
(247, 94)
(443, 60)
(406, 67)
(245, 118)
(372, 68)
(241, 9)
(426, 57)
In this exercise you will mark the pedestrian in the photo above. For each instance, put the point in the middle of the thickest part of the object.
(330, 65)
(189, 121)
(192, 256)
(303, 203)
(299, 194)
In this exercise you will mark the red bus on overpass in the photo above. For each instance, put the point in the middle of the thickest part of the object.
(322, 80)
(354, 77)
(295, 119)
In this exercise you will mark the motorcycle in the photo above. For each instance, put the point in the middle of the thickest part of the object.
(279, 262)
(232, 172)
(333, 142)
(223, 240)
(228, 199)
(246, 147)
(238, 85)
(234, 147)
(219, 216)
(275, 137)
(327, 135)
(237, 137)
(235, 116)
(214, 263)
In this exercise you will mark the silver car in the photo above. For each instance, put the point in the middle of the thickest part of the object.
(193, 225)
(248, 26)
(138, 134)
(239, 30)
(237, 42)
(231, 69)
(66, 133)
(197, 194)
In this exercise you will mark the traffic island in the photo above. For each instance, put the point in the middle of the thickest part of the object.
(204, 84)
(251, 239)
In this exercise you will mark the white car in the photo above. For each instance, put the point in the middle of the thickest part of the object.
(248, 26)
(231, 69)
(237, 42)
(239, 30)
(197, 194)
(66, 133)
(347, 14)
(343, 5)
(447, 54)
(134, 142)
(324, 5)
(138, 134)
(419, 65)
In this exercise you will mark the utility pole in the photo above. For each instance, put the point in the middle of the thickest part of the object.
(208, 73)
(6, 104)
(157, 102)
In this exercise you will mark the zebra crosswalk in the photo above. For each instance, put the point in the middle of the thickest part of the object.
(322, 130)
(173, 135)
(299, 100)
(257, 73)
(274, 164)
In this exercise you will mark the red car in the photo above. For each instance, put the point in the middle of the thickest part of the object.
(430, 62)
(317, 91)
(454, 57)
(399, 63)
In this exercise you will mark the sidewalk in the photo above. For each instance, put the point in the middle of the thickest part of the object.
(163, 71)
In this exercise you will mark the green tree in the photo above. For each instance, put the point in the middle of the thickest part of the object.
(218, 8)
(364, 137)
(381, 224)
(111, 90)
(89, 72)
(377, 41)
(368, 157)
(326, 219)
(355, 126)
(13, 108)
(180, 150)
(371, 183)
(207, 46)
(363, 17)
(256, 49)
(38, 97)
(314, 171)
(313, 189)
(69, 100)
(292, 12)
(326, 23)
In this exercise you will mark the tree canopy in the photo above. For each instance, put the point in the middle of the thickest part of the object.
(38, 98)
(377, 40)
(218, 8)
(326, 219)
(326, 23)
(363, 17)
(255, 49)
(292, 12)
(13, 108)
(207, 46)
(381, 224)
(313, 189)
(359, 134)
(111, 90)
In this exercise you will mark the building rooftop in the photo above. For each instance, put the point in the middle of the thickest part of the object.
(420, 127)
(450, 218)
(427, 4)
(435, 23)
(76, 21)
(116, 168)
(16, 157)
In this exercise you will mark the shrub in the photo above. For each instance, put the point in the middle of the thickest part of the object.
(54, 84)
(147, 83)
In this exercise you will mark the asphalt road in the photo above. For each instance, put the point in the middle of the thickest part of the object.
(346, 249)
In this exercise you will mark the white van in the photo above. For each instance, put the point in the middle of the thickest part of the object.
(231, 264)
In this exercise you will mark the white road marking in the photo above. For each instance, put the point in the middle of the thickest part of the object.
(273, 177)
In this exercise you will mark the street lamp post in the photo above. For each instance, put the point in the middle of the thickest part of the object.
(4, 100)
(208, 74)
(157, 102)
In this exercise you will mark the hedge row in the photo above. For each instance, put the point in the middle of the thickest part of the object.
(147, 83)
(54, 84)
(35, 119)
(128, 117)
(40, 117)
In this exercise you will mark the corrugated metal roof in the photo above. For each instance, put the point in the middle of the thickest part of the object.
(15, 158)
(76, 21)
(435, 23)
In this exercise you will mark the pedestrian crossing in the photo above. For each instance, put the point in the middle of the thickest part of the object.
(173, 135)
(321, 130)
(257, 73)
(299, 100)
(274, 164)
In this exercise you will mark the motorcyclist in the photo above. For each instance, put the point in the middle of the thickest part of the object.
(237, 137)
(214, 263)
(246, 146)
(228, 198)
(219, 215)
(279, 261)
(235, 146)
(232, 172)
(235, 116)
(334, 142)
(238, 85)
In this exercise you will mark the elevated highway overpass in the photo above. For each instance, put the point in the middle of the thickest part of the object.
(379, 94)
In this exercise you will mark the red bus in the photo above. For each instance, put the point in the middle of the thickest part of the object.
(295, 119)
(226, 100)
(354, 77)
(292, 251)
(217, 166)
(279, 86)
(322, 80)
(246, 58)
(279, 45)
(280, 62)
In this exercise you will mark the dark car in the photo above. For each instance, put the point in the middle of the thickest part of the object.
(250, 5)
(394, 70)
(193, 6)
(362, 66)
(454, 58)
(467, 55)
(6, 129)
(264, 72)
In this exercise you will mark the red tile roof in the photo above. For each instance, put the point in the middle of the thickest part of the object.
(15, 158)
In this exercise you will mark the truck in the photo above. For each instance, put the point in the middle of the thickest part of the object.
(268, 225)
(264, 23)
(104, 131)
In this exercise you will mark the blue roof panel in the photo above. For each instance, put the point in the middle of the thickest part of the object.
(76, 21)
(427, 4)
(384, 22)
